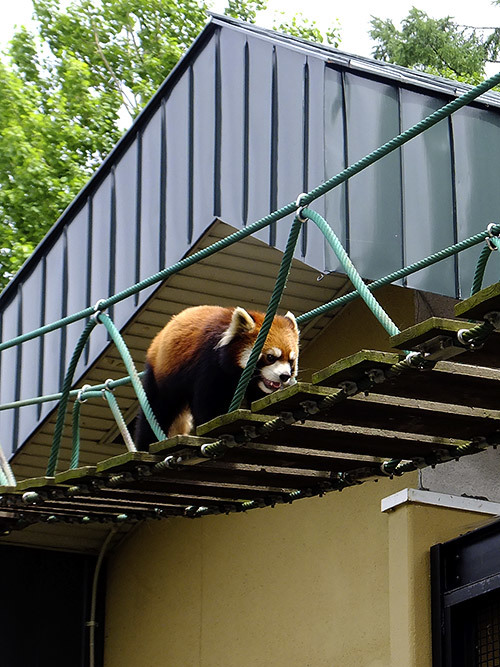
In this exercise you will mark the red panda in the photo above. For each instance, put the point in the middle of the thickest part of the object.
(194, 363)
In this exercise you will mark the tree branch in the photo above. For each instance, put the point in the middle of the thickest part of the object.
(129, 106)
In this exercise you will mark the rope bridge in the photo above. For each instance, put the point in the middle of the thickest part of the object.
(301, 441)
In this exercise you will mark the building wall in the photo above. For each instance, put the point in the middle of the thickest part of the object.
(326, 581)
(296, 585)
(412, 530)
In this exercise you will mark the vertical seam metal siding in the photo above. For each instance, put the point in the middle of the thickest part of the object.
(218, 130)
(454, 203)
(305, 149)
(246, 131)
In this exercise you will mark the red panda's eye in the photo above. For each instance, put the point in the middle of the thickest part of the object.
(271, 358)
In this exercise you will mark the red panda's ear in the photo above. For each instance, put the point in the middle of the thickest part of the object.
(290, 316)
(241, 322)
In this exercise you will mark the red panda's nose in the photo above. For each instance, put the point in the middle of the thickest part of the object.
(284, 377)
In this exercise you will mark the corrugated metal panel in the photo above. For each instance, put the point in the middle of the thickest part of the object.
(429, 214)
(125, 202)
(179, 186)
(477, 166)
(260, 157)
(8, 371)
(204, 133)
(336, 159)
(150, 180)
(375, 225)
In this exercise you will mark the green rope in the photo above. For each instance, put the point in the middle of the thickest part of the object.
(122, 426)
(351, 271)
(3, 478)
(480, 268)
(75, 448)
(6, 474)
(307, 198)
(73, 393)
(477, 281)
(400, 273)
(134, 375)
(68, 381)
(286, 262)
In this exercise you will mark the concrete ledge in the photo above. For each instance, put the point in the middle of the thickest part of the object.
(439, 500)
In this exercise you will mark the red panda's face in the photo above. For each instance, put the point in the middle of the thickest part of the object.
(278, 369)
(278, 362)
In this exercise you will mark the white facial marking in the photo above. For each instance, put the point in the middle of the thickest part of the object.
(241, 321)
(273, 372)
(292, 355)
(243, 360)
(275, 351)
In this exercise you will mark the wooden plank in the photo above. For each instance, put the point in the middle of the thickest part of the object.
(95, 504)
(126, 461)
(290, 398)
(216, 472)
(233, 422)
(77, 475)
(436, 335)
(414, 416)
(153, 499)
(178, 442)
(354, 367)
(447, 382)
(36, 483)
(299, 457)
(228, 488)
(483, 302)
(199, 489)
(366, 441)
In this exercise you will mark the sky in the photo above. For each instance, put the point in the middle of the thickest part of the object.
(354, 15)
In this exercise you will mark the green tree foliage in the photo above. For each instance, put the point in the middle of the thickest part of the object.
(66, 88)
(438, 46)
(300, 26)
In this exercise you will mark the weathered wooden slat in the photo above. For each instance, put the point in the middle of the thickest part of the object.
(230, 488)
(291, 398)
(345, 439)
(355, 367)
(125, 462)
(233, 422)
(423, 332)
(479, 304)
(414, 416)
(447, 382)
(299, 457)
(217, 472)
(438, 332)
(146, 495)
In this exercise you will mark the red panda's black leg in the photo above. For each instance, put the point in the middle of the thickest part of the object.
(166, 404)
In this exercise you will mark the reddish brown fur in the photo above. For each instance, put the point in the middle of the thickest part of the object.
(194, 363)
(182, 338)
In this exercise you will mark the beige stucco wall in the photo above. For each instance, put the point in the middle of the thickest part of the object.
(302, 584)
(413, 529)
(325, 581)
(355, 328)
